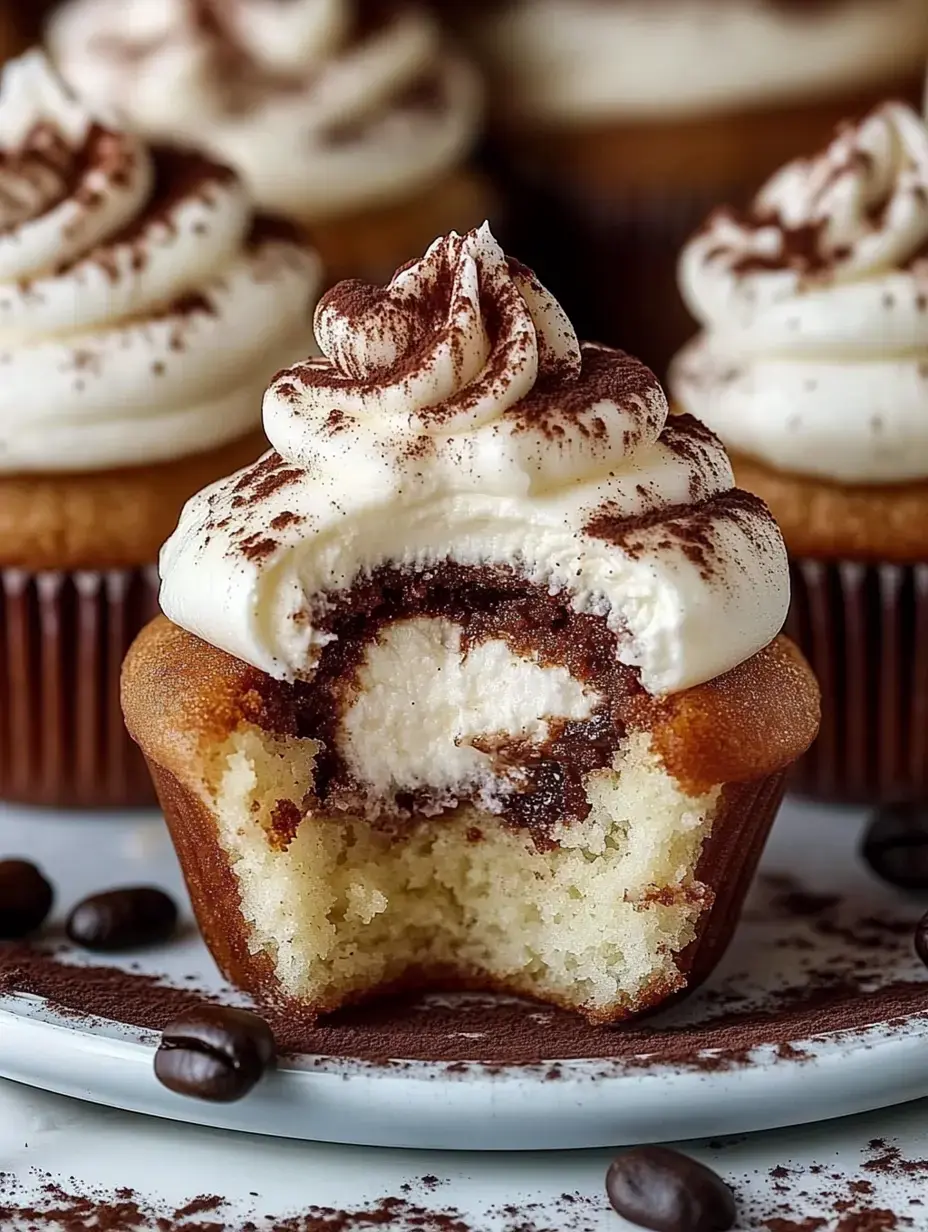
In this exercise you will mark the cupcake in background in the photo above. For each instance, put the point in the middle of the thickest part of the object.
(627, 120)
(142, 310)
(813, 368)
(350, 117)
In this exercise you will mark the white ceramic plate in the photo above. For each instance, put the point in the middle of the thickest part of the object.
(824, 952)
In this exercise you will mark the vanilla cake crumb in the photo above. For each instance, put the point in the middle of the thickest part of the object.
(343, 908)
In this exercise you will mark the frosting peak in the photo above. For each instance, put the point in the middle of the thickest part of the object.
(123, 273)
(814, 304)
(443, 377)
(325, 106)
(455, 418)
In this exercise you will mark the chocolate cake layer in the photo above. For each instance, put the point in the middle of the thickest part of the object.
(486, 603)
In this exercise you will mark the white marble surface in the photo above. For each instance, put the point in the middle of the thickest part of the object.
(90, 1149)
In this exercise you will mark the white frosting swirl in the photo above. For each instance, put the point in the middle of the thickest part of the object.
(584, 60)
(814, 355)
(321, 115)
(455, 417)
(139, 321)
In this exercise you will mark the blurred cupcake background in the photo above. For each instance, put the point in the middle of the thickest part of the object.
(622, 122)
(812, 365)
(144, 307)
(353, 118)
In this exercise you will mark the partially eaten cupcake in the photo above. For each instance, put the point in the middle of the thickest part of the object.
(475, 679)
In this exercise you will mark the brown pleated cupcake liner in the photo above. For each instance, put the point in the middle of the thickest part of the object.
(864, 630)
(727, 866)
(63, 636)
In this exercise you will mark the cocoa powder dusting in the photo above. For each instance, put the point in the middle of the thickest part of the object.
(696, 530)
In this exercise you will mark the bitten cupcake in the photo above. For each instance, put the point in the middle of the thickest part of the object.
(813, 368)
(350, 117)
(142, 311)
(474, 680)
(625, 121)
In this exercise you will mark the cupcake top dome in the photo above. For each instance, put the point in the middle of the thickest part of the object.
(325, 106)
(813, 357)
(455, 420)
(125, 273)
(579, 61)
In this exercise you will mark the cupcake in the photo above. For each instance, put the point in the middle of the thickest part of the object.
(474, 680)
(622, 123)
(351, 118)
(142, 311)
(813, 368)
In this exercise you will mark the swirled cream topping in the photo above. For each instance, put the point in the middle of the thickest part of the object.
(455, 422)
(577, 61)
(814, 306)
(141, 312)
(325, 106)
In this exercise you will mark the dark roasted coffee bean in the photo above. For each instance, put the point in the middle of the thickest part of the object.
(25, 899)
(123, 919)
(895, 845)
(215, 1053)
(661, 1189)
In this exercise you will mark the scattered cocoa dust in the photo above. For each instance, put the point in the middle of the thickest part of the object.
(818, 1198)
(44, 1205)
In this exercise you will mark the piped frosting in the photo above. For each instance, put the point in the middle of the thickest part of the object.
(325, 106)
(141, 309)
(814, 306)
(455, 419)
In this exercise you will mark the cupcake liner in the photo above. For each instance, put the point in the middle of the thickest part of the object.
(63, 636)
(727, 866)
(864, 630)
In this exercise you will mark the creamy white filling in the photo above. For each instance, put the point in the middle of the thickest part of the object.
(423, 700)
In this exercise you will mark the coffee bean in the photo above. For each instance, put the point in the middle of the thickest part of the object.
(895, 845)
(123, 919)
(215, 1053)
(661, 1189)
(25, 899)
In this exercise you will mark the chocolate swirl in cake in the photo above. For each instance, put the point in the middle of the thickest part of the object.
(122, 272)
(479, 552)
